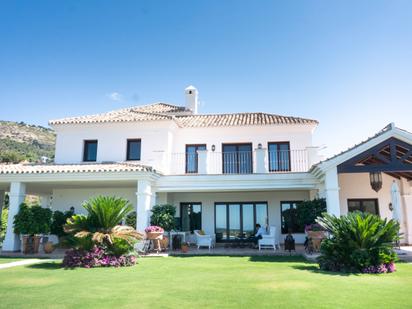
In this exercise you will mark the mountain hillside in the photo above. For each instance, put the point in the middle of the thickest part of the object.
(24, 142)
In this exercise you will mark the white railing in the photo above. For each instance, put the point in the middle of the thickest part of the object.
(243, 162)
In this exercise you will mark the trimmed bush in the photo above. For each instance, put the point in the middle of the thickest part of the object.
(358, 242)
(59, 219)
(163, 216)
(32, 220)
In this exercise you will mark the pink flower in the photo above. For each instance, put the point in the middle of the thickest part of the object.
(154, 228)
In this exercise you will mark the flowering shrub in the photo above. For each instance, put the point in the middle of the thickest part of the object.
(380, 269)
(96, 257)
(153, 229)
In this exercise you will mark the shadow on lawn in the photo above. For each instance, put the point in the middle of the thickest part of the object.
(315, 269)
(47, 266)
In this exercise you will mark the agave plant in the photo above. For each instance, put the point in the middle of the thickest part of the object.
(357, 240)
(102, 224)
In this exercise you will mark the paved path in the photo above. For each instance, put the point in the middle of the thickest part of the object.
(21, 263)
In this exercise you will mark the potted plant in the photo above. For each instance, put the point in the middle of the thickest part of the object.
(316, 234)
(185, 247)
(315, 231)
(31, 222)
(154, 232)
(48, 247)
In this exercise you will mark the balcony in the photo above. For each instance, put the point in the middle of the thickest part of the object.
(259, 161)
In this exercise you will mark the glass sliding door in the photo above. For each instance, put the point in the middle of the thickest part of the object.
(221, 221)
(234, 221)
(237, 158)
(248, 220)
(237, 220)
(262, 214)
(190, 216)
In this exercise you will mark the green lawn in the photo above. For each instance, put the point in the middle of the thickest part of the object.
(203, 282)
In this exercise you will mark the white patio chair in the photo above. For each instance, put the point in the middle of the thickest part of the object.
(270, 240)
(204, 240)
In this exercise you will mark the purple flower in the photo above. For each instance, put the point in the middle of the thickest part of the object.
(94, 258)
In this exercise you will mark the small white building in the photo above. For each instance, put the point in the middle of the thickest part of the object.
(223, 172)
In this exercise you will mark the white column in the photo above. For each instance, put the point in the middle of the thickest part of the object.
(202, 162)
(406, 200)
(332, 192)
(16, 197)
(2, 193)
(145, 200)
(261, 160)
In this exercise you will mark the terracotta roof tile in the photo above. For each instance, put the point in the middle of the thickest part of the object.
(184, 117)
(72, 168)
(240, 119)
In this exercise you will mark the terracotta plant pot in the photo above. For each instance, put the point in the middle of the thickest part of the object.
(48, 247)
(164, 242)
(31, 244)
(185, 248)
(154, 235)
(316, 234)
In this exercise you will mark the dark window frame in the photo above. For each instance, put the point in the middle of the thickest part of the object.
(282, 231)
(237, 157)
(86, 149)
(131, 140)
(240, 214)
(361, 200)
(273, 169)
(196, 158)
(181, 212)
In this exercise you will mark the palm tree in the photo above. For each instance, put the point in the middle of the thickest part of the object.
(102, 225)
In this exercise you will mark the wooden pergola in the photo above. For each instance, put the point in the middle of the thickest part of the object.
(392, 156)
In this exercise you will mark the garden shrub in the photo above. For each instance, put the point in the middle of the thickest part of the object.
(99, 239)
(59, 219)
(163, 216)
(309, 210)
(131, 219)
(358, 242)
(32, 220)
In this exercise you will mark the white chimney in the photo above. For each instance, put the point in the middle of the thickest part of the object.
(192, 103)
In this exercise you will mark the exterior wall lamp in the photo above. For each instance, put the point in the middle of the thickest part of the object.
(260, 146)
(375, 180)
(213, 147)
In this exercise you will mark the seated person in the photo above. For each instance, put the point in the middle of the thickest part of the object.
(259, 232)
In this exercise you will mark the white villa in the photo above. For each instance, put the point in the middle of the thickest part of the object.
(223, 172)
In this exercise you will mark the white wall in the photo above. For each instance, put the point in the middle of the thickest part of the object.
(273, 198)
(112, 141)
(357, 185)
(63, 199)
(163, 143)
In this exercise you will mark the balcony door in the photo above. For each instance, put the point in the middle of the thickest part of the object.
(192, 158)
(237, 158)
(279, 156)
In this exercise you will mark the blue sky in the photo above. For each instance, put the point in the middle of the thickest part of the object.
(346, 63)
